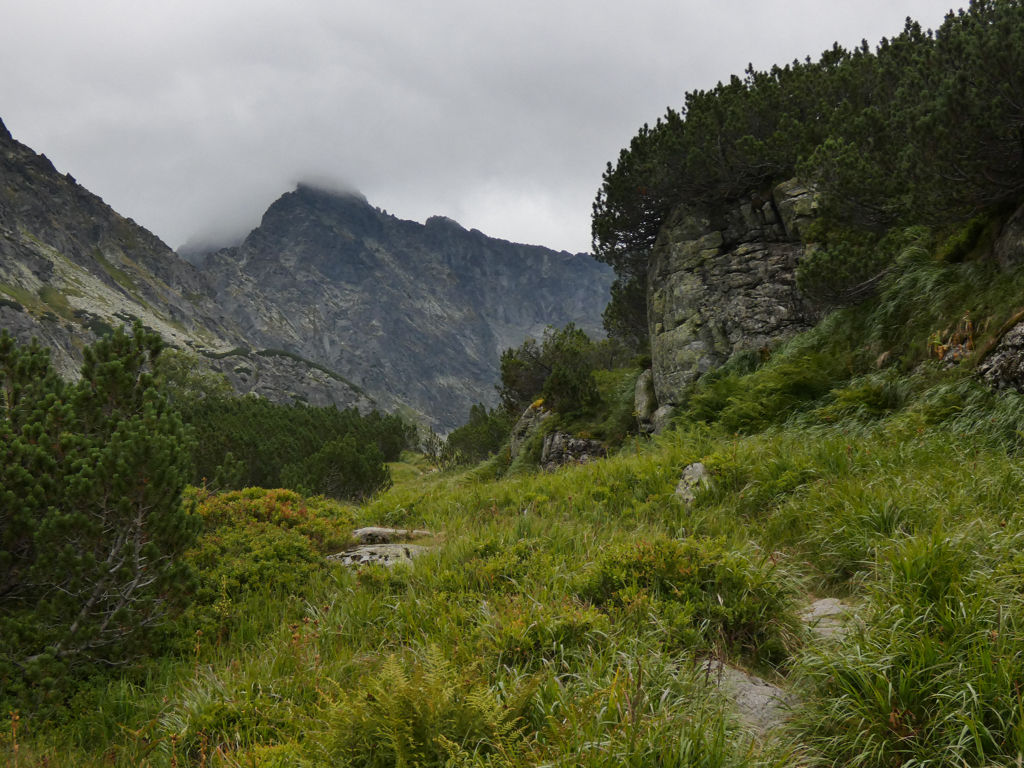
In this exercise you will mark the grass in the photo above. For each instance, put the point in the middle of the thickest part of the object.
(20, 295)
(57, 301)
(563, 616)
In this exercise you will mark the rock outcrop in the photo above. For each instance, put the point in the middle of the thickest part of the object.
(526, 427)
(644, 401)
(1003, 366)
(724, 281)
(1009, 245)
(561, 448)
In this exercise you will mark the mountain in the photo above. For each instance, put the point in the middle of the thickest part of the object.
(329, 300)
(414, 313)
(72, 268)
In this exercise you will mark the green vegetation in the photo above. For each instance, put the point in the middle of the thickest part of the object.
(923, 130)
(565, 618)
(483, 435)
(562, 618)
(241, 442)
(57, 301)
(91, 519)
(23, 297)
(306, 441)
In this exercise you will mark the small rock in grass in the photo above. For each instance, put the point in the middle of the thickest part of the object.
(693, 476)
(382, 554)
(761, 706)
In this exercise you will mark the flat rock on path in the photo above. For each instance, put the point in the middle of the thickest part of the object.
(828, 617)
(760, 705)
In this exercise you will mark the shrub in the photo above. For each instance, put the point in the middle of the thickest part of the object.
(523, 632)
(258, 542)
(443, 454)
(431, 715)
(91, 516)
(710, 596)
(559, 369)
(342, 469)
(483, 435)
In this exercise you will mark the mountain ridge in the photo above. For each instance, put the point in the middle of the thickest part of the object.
(333, 283)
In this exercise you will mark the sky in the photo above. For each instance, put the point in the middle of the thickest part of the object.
(193, 116)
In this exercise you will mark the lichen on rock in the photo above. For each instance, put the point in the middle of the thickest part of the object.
(723, 281)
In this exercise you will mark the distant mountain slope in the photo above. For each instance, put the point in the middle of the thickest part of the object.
(72, 268)
(411, 312)
(327, 290)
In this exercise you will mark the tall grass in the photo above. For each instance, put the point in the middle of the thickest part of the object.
(562, 615)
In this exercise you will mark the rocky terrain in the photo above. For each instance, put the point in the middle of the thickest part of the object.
(329, 301)
(724, 281)
(414, 313)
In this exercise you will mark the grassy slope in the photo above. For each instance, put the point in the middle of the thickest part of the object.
(561, 621)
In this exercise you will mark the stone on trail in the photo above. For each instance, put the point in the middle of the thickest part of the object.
(760, 705)
(827, 617)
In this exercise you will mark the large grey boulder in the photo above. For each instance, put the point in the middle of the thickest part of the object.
(561, 448)
(723, 281)
(662, 418)
(1009, 246)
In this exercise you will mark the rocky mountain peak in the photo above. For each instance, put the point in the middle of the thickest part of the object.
(414, 313)
(327, 290)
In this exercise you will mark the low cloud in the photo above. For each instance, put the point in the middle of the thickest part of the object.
(193, 117)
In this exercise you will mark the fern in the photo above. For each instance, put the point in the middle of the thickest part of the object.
(428, 716)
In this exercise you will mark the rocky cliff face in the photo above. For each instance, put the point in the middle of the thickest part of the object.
(723, 281)
(72, 268)
(328, 301)
(412, 313)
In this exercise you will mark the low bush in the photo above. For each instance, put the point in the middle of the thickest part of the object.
(257, 542)
(710, 596)
(341, 469)
(525, 633)
(427, 714)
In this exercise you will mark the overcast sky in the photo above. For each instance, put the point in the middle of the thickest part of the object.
(192, 116)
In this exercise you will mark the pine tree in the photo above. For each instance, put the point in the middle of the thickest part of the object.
(91, 516)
